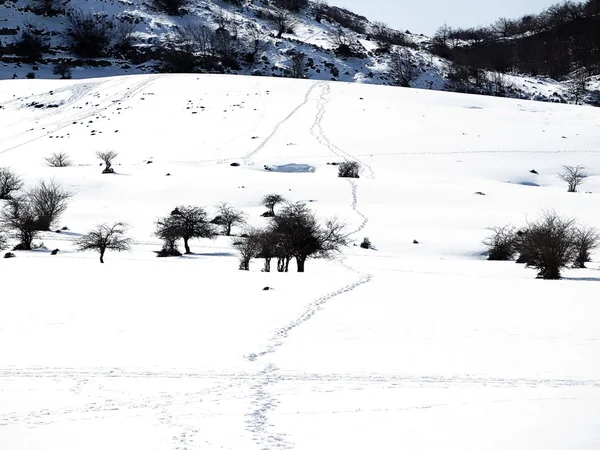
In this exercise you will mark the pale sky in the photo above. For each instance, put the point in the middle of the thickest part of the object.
(427, 16)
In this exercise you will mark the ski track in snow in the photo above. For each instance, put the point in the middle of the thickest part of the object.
(263, 400)
(80, 91)
(265, 141)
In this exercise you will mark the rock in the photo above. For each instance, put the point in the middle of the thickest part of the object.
(168, 175)
(149, 162)
(534, 171)
(415, 242)
(65, 228)
(54, 252)
(479, 193)
(266, 288)
(9, 255)
(235, 164)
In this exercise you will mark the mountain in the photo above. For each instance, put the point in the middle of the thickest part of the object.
(283, 38)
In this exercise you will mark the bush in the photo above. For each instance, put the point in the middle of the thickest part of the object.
(501, 243)
(349, 169)
(59, 159)
(48, 200)
(549, 244)
(3, 241)
(171, 7)
(291, 5)
(107, 158)
(586, 240)
(573, 176)
(62, 68)
(89, 33)
(366, 243)
(9, 183)
(31, 44)
(30, 75)
(184, 222)
(18, 215)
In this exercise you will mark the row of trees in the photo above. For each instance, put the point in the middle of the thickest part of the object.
(549, 244)
(558, 42)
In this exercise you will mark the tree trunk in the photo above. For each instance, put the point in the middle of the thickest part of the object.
(267, 264)
(281, 31)
(287, 264)
(186, 245)
(228, 230)
(300, 261)
(102, 256)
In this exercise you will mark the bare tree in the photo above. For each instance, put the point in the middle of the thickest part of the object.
(89, 33)
(573, 176)
(3, 241)
(578, 85)
(228, 216)
(349, 169)
(271, 201)
(402, 68)
(50, 7)
(123, 33)
(49, 200)
(255, 41)
(248, 247)
(60, 159)
(107, 158)
(192, 223)
(284, 20)
(63, 68)
(549, 243)
(167, 229)
(171, 7)
(9, 183)
(298, 68)
(586, 240)
(105, 237)
(501, 243)
(18, 215)
(302, 237)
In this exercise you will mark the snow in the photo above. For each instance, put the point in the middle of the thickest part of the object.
(420, 346)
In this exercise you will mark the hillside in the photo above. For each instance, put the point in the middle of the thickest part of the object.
(418, 342)
(318, 42)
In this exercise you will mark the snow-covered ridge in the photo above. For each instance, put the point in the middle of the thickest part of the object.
(314, 38)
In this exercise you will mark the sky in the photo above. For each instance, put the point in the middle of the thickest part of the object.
(428, 16)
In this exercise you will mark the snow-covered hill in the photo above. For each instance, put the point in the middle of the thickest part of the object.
(312, 34)
(420, 346)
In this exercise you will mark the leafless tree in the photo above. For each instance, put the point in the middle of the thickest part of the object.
(50, 7)
(402, 68)
(9, 182)
(192, 223)
(298, 68)
(123, 33)
(248, 246)
(105, 237)
(3, 241)
(549, 243)
(349, 169)
(49, 200)
(90, 33)
(586, 240)
(300, 235)
(271, 201)
(442, 35)
(167, 229)
(60, 159)
(18, 215)
(284, 20)
(573, 176)
(107, 158)
(578, 85)
(62, 67)
(228, 216)
(501, 243)
(505, 27)
(171, 7)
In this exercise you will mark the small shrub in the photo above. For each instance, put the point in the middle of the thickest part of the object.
(573, 176)
(366, 243)
(171, 7)
(349, 169)
(89, 33)
(9, 183)
(30, 75)
(107, 158)
(586, 240)
(501, 243)
(59, 159)
(31, 44)
(62, 68)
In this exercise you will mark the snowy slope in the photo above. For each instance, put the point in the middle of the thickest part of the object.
(313, 38)
(423, 346)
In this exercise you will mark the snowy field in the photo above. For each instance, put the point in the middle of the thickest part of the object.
(412, 346)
